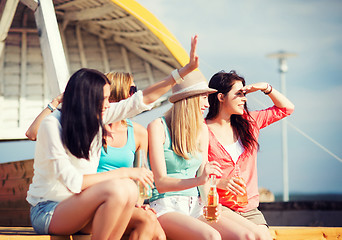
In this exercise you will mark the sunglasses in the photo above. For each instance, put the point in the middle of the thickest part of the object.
(132, 90)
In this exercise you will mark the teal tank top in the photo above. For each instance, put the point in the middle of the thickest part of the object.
(178, 167)
(119, 157)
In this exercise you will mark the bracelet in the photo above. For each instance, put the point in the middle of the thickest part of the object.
(269, 91)
(175, 74)
(51, 107)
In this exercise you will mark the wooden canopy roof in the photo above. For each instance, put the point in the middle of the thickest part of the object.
(108, 35)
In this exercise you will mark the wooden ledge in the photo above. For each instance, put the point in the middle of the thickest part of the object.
(307, 233)
(278, 233)
(27, 233)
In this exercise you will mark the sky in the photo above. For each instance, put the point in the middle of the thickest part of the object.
(237, 35)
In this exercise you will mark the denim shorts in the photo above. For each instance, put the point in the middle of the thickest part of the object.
(41, 216)
(191, 206)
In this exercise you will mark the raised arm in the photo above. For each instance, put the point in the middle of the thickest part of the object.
(153, 92)
(277, 98)
(32, 131)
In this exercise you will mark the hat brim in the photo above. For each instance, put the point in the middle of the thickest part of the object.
(179, 96)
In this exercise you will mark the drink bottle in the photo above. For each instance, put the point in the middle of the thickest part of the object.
(211, 210)
(141, 162)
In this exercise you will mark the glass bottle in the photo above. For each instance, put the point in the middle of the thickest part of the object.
(242, 200)
(232, 200)
(141, 162)
(210, 211)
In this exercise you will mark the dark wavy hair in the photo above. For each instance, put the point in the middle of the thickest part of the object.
(223, 83)
(81, 116)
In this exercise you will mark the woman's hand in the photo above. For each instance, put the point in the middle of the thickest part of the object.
(209, 169)
(193, 62)
(262, 86)
(58, 100)
(234, 185)
(142, 175)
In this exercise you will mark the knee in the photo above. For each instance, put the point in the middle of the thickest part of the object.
(120, 192)
(247, 236)
(263, 233)
(160, 235)
(212, 235)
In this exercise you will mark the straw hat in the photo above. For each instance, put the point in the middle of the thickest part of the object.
(194, 84)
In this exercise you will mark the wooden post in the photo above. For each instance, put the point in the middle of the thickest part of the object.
(52, 47)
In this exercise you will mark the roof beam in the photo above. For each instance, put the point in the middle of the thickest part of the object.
(110, 22)
(165, 68)
(89, 13)
(32, 4)
(70, 4)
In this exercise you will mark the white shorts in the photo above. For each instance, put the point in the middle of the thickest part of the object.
(191, 206)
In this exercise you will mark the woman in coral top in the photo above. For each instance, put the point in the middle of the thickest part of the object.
(233, 141)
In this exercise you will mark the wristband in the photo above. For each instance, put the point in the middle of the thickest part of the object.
(175, 74)
(266, 93)
(51, 107)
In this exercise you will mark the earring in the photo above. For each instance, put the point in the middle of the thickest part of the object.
(220, 97)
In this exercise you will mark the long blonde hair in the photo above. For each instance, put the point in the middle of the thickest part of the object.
(120, 84)
(184, 120)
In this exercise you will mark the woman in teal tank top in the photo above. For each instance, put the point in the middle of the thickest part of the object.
(178, 152)
(121, 140)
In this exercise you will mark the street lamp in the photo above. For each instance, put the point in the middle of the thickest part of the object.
(282, 56)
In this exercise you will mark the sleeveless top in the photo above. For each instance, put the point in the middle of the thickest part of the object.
(178, 167)
(119, 157)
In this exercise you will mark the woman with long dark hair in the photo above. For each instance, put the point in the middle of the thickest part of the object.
(66, 194)
(233, 142)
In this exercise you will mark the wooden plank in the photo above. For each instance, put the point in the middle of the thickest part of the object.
(89, 13)
(307, 233)
(149, 73)
(64, 43)
(278, 233)
(32, 4)
(23, 75)
(81, 47)
(2, 85)
(125, 59)
(104, 55)
(52, 47)
(145, 55)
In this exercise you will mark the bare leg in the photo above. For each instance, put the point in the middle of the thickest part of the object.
(141, 226)
(144, 225)
(264, 232)
(229, 229)
(180, 226)
(106, 207)
(260, 232)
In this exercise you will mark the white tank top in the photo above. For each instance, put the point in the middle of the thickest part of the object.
(235, 150)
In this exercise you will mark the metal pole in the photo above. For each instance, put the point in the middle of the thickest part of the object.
(282, 70)
(281, 56)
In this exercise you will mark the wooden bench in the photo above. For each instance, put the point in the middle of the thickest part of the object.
(27, 233)
(306, 233)
(278, 233)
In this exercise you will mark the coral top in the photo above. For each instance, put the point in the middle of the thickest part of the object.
(247, 162)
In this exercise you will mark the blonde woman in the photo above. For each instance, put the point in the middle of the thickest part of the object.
(178, 151)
